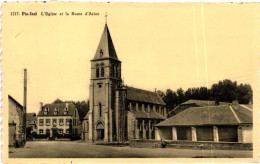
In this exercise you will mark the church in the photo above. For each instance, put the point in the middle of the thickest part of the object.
(118, 113)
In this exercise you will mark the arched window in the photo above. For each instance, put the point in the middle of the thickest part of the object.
(87, 127)
(112, 71)
(100, 109)
(115, 69)
(102, 70)
(139, 125)
(118, 72)
(97, 70)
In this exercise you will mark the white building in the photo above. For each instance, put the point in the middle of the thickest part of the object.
(58, 120)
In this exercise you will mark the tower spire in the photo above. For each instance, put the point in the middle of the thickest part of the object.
(106, 47)
(106, 17)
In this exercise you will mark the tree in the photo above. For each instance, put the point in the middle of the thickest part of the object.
(203, 93)
(57, 101)
(244, 93)
(171, 99)
(195, 93)
(188, 94)
(180, 93)
(160, 93)
(225, 90)
(83, 108)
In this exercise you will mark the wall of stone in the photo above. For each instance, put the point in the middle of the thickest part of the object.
(16, 116)
(131, 130)
(145, 144)
(101, 93)
(209, 145)
(12, 134)
(247, 134)
(121, 115)
(85, 131)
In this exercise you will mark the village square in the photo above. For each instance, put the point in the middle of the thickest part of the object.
(80, 86)
(127, 121)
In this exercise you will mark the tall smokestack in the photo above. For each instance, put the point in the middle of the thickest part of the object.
(41, 105)
(25, 98)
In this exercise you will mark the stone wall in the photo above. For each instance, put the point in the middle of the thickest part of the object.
(16, 117)
(209, 145)
(247, 134)
(121, 116)
(131, 129)
(146, 144)
(85, 131)
(191, 145)
(12, 134)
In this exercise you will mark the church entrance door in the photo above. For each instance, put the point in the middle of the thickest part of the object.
(100, 134)
(100, 131)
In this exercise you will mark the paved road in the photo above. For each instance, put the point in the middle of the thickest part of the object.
(77, 149)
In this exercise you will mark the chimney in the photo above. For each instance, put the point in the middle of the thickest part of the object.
(235, 102)
(25, 99)
(41, 105)
(155, 90)
(67, 105)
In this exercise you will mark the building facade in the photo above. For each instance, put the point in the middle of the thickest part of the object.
(58, 120)
(85, 129)
(16, 124)
(31, 125)
(117, 112)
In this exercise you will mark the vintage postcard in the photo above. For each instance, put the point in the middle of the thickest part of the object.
(130, 82)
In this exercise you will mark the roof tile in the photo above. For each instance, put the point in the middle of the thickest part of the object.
(150, 115)
(60, 107)
(141, 95)
(208, 115)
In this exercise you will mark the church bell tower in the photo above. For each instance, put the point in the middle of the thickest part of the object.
(105, 79)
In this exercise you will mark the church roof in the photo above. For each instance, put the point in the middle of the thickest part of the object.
(106, 47)
(141, 95)
(151, 115)
(58, 106)
(211, 115)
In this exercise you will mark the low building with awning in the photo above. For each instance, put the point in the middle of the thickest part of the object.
(222, 123)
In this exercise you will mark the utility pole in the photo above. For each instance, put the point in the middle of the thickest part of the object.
(25, 100)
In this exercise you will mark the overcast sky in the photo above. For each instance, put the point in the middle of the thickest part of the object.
(160, 46)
